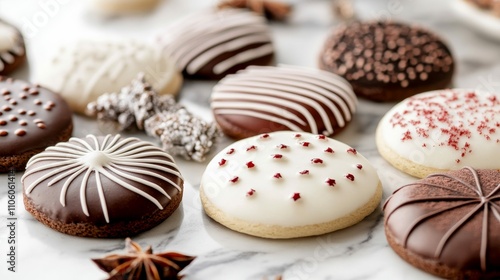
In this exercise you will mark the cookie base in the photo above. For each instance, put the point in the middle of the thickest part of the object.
(392, 94)
(282, 232)
(111, 230)
(18, 162)
(405, 165)
(433, 266)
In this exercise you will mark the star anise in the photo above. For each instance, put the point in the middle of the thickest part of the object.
(273, 10)
(139, 264)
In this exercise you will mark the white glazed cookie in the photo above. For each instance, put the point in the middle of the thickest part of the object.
(262, 99)
(442, 130)
(82, 72)
(287, 184)
(12, 52)
(119, 7)
(213, 44)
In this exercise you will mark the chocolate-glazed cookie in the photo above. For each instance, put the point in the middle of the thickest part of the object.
(448, 224)
(388, 61)
(212, 44)
(262, 99)
(31, 119)
(12, 49)
(102, 186)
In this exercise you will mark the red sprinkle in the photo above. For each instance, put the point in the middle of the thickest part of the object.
(352, 151)
(298, 135)
(321, 137)
(350, 177)
(329, 150)
(250, 164)
(230, 152)
(277, 156)
(222, 162)
(359, 166)
(305, 144)
(296, 196)
(251, 148)
(304, 172)
(250, 192)
(264, 136)
(234, 180)
(278, 176)
(282, 146)
(317, 161)
(331, 182)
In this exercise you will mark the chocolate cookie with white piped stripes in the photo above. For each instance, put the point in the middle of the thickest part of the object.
(265, 99)
(212, 44)
(12, 49)
(102, 186)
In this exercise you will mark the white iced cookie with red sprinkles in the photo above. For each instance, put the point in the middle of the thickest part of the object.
(442, 130)
(288, 184)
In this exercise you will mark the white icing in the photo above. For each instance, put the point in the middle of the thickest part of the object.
(10, 43)
(483, 150)
(262, 92)
(271, 202)
(197, 40)
(83, 71)
(112, 159)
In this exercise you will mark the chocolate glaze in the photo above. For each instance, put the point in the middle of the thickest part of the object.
(391, 55)
(121, 203)
(451, 218)
(26, 125)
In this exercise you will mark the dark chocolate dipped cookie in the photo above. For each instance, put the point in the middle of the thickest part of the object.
(31, 119)
(212, 44)
(264, 99)
(12, 49)
(388, 61)
(102, 186)
(448, 224)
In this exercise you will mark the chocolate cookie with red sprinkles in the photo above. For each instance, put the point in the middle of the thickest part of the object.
(442, 130)
(388, 61)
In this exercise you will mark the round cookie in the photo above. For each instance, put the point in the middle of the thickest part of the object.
(102, 186)
(82, 72)
(264, 99)
(286, 185)
(120, 7)
(212, 44)
(448, 224)
(12, 49)
(440, 131)
(388, 61)
(31, 119)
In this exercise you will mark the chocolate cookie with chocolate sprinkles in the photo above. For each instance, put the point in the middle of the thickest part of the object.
(31, 119)
(388, 61)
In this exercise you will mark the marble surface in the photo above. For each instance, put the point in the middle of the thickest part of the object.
(358, 252)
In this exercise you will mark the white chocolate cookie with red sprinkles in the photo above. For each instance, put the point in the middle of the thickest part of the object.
(442, 130)
(287, 184)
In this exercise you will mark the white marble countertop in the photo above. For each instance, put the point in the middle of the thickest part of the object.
(358, 252)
